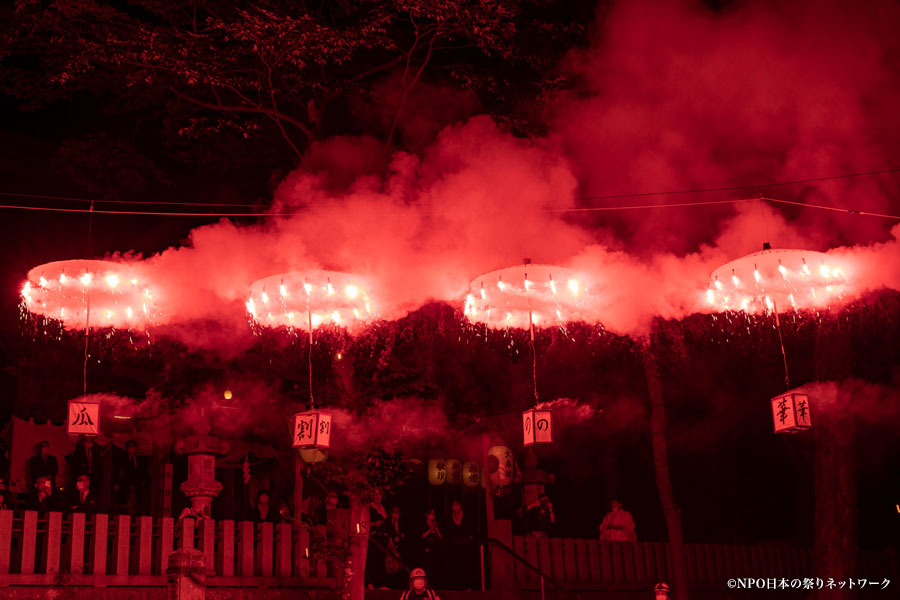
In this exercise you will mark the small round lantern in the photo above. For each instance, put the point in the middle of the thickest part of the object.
(471, 474)
(437, 471)
(312, 455)
(454, 472)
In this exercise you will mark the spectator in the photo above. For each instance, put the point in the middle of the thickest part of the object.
(132, 478)
(460, 546)
(82, 500)
(87, 460)
(44, 500)
(43, 465)
(432, 544)
(4, 501)
(396, 537)
(539, 517)
(617, 525)
(375, 572)
(263, 512)
(418, 587)
(331, 503)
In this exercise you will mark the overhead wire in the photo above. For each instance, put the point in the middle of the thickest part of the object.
(584, 209)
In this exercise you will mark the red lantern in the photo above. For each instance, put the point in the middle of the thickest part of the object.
(790, 413)
(312, 430)
(537, 426)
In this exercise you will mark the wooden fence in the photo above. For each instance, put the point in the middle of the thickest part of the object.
(103, 550)
(591, 564)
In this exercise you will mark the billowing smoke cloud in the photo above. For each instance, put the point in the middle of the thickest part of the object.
(673, 96)
(670, 95)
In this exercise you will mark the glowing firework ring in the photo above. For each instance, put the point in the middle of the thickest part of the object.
(290, 299)
(504, 297)
(777, 279)
(98, 293)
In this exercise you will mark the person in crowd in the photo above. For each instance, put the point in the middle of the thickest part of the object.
(263, 512)
(460, 537)
(331, 503)
(617, 525)
(375, 572)
(132, 480)
(43, 500)
(539, 517)
(43, 464)
(418, 587)
(396, 545)
(4, 501)
(82, 499)
(87, 460)
(431, 543)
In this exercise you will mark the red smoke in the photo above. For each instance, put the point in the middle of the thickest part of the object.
(668, 96)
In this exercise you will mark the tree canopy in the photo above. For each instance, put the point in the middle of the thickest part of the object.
(265, 77)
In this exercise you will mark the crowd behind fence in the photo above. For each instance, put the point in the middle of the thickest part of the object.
(102, 550)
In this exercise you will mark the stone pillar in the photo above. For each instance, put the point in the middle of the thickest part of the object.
(186, 575)
(201, 486)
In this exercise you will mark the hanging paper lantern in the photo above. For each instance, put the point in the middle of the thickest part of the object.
(312, 455)
(503, 298)
(780, 279)
(96, 293)
(501, 466)
(537, 426)
(285, 300)
(790, 413)
(437, 471)
(312, 430)
(83, 418)
(454, 472)
(471, 474)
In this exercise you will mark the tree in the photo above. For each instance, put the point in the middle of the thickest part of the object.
(267, 69)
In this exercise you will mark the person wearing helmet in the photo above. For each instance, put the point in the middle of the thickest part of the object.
(418, 587)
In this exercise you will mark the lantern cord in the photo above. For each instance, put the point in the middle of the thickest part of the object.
(87, 316)
(531, 336)
(787, 377)
(309, 356)
(762, 213)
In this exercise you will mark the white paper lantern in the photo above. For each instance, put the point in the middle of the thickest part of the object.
(504, 464)
(537, 426)
(790, 413)
(471, 474)
(83, 418)
(437, 471)
(312, 430)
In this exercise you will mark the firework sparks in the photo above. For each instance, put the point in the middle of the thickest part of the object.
(777, 278)
(503, 298)
(329, 296)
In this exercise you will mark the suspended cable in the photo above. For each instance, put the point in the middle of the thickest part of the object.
(787, 377)
(526, 262)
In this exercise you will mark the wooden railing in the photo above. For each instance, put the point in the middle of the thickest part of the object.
(103, 550)
(591, 564)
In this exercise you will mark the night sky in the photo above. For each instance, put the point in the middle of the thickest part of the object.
(503, 145)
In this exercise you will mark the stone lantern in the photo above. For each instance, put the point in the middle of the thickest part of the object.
(201, 486)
